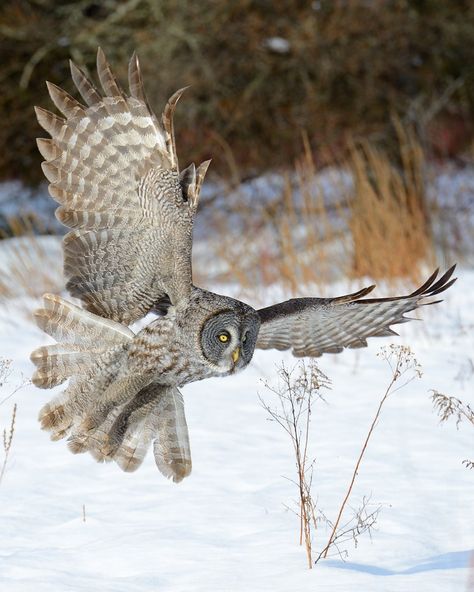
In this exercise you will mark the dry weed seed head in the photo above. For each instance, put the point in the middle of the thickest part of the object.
(401, 359)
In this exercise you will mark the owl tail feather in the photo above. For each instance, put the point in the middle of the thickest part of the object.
(81, 336)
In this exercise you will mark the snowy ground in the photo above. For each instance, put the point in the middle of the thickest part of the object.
(225, 528)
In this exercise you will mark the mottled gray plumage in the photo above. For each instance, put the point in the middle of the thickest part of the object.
(113, 168)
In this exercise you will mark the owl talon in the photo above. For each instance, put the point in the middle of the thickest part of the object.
(51, 417)
(76, 445)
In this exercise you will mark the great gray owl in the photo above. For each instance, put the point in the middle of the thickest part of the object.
(112, 167)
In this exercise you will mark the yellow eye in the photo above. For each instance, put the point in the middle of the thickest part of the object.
(223, 337)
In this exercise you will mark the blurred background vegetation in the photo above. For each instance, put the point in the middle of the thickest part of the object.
(263, 73)
(329, 122)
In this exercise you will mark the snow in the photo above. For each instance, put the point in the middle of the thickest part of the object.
(17, 201)
(277, 44)
(226, 527)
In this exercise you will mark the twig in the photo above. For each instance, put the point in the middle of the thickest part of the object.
(31, 64)
(365, 522)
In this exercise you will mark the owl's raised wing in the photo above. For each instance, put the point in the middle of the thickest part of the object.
(112, 166)
(314, 326)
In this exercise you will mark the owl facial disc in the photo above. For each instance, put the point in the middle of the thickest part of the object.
(225, 341)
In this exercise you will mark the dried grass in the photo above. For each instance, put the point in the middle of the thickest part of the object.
(31, 264)
(295, 395)
(451, 407)
(378, 227)
(389, 222)
(292, 407)
(375, 223)
(7, 442)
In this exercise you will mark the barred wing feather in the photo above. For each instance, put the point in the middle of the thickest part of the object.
(313, 326)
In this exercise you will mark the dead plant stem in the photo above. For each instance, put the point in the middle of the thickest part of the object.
(395, 376)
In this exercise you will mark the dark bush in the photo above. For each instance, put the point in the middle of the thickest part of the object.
(261, 72)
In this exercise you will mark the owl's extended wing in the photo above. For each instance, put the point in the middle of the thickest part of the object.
(313, 326)
(113, 168)
(155, 413)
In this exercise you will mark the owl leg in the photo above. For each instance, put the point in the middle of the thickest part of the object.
(130, 428)
(59, 415)
(93, 431)
(54, 418)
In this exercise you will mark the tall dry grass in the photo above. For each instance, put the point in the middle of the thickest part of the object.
(404, 368)
(8, 434)
(31, 264)
(375, 224)
(365, 218)
(389, 221)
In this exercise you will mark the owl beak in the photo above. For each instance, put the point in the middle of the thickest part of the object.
(236, 354)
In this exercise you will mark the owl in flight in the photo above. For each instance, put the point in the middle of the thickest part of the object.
(112, 167)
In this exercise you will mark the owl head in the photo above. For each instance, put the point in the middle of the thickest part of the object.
(228, 339)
